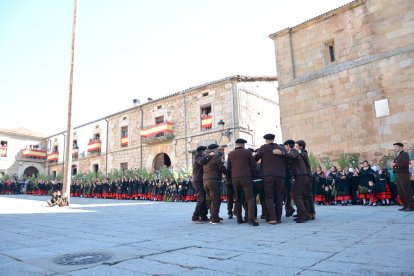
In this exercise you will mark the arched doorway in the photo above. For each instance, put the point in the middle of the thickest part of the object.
(29, 171)
(161, 160)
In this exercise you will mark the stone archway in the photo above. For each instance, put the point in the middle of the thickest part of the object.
(29, 171)
(161, 160)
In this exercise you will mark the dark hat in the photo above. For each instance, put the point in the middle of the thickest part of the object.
(398, 144)
(213, 146)
(301, 143)
(201, 148)
(240, 141)
(289, 142)
(269, 136)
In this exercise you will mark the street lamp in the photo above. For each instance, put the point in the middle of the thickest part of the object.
(226, 132)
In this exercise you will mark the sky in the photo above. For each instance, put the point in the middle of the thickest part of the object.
(130, 49)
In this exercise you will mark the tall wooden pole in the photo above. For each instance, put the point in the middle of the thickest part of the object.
(68, 151)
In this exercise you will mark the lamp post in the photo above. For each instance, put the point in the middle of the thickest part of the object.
(226, 132)
(68, 150)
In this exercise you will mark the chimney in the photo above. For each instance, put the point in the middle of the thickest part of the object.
(136, 102)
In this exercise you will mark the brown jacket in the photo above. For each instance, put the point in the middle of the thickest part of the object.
(299, 166)
(272, 164)
(240, 163)
(402, 163)
(198, 163)
(214, 168)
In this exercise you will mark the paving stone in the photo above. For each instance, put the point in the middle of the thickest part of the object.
(103, 271)
(161, 239)
(152, 267)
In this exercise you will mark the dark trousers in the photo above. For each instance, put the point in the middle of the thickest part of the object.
(243, 189)
(299, 190)
(274, 191)
(212, 188)
(288, 196)
(308, 199)
(404, 189)
(258, 190)
(354, 190)
(230, 197)
(201, 206)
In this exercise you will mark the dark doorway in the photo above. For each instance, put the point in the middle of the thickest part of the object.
(161, 160)
(74, 170)
(29, 171)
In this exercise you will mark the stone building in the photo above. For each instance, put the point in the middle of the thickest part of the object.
(166, 131)
(22, 152)
(346, 78)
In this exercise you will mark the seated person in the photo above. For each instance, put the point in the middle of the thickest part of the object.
(55, 200)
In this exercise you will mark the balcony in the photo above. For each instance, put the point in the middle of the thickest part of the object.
(206, 122)
(124, 141)
(158, 133)
(53, 157)
(34, 154)
(94, 146)
(3, 151)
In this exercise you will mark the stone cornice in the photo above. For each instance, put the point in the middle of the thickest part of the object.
(319, 18)
(336, 68)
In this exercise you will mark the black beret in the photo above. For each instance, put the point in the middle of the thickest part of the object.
(269, 136)
(301, 143)
(289, 142)
(240, 141)
(398, 144)
(201, 148)
(213, 146)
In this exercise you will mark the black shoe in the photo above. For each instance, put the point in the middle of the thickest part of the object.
(254, 223)
(295, 216)
(240, 221)
(402, 209)
(301, 220)
(262, 217)
(230, 216)
(220, 218)
(290, 213)
(205, 219)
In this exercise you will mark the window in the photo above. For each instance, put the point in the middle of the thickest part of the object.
(159, 120)
(205, 94)
(55, 149)
(329, 51)
(95, 168)
(159, 107)
(124, 136)
(97, 136)
(75, 144)
(74, 170)
(3, 144)
(124, 131)
(206, 117)
(124, 118)
(206, 110)
(124, 166)
(54, 174)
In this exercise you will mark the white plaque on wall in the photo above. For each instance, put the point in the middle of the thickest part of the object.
(381, 108)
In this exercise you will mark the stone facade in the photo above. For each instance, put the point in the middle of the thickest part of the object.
(12, 161)
(248, 106)
(333, 68)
